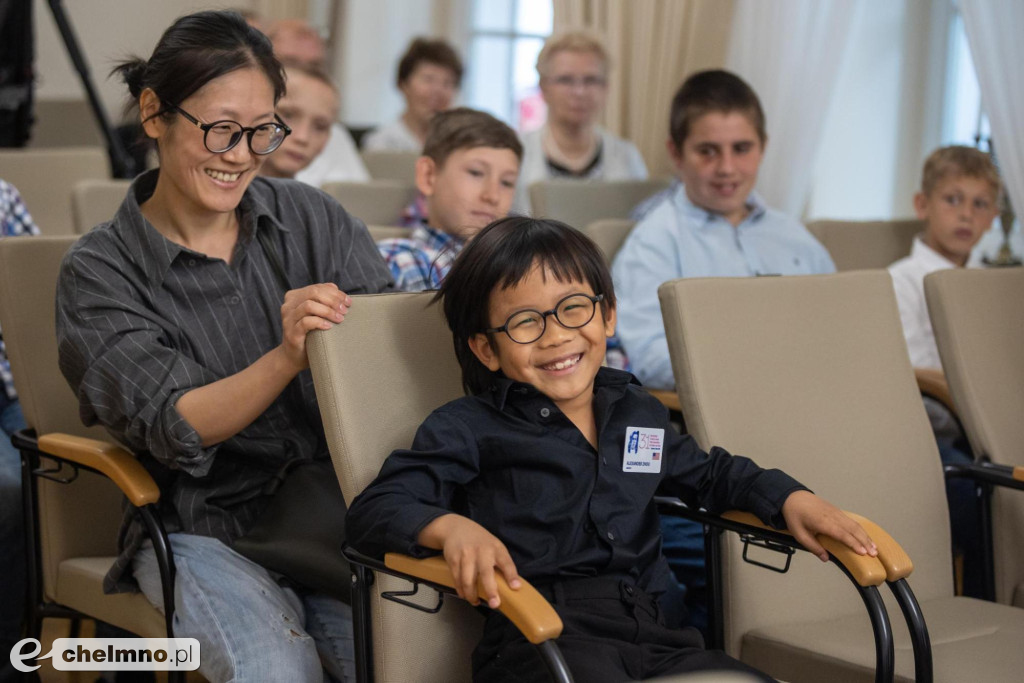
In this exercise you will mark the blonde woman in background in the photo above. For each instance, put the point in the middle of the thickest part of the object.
(573, 69)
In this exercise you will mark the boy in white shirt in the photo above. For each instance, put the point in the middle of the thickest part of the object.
(958, 201)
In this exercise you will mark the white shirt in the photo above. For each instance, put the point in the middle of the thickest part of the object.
(620, 160)
(393, 137)
(908, 281)
(340, 161)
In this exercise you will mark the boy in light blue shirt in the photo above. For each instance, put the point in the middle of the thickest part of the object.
(709, 224)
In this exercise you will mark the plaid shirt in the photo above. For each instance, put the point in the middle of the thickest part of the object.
(422, 260)
(14, 220)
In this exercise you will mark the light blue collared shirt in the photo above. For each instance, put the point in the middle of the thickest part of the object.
(675, 239)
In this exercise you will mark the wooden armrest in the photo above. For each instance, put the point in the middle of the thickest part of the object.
(526, 608)
(932, 382)
(107, 458)
(669, 399)
(866, 570)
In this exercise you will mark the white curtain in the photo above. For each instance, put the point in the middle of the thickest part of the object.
(995, 32)
(790, 52)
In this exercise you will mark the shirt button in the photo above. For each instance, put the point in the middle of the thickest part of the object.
(611, 536)
(628, 589)
(544, 412)
(191, 261)
(236, 300)
(604, 460)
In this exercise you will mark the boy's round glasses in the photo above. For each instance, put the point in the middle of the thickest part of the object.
(221, 136)
(572, 312)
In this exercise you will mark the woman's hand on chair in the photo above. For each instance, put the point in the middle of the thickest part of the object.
(316, 307)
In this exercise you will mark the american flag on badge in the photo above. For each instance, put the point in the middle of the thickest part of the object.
(655, 455)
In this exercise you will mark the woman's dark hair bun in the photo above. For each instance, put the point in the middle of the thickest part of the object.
(133, 73)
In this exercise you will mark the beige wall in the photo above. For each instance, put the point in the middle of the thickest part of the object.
(108, 31)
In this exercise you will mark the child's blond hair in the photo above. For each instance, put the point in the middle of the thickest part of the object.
(957, 161)
(573, 41)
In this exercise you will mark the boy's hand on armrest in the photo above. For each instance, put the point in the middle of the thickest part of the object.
(472, 553)
(807, 515)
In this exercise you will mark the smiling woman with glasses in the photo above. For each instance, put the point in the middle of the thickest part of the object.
(182, 325)
(573, 69)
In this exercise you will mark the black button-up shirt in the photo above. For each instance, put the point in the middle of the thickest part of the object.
(511, 461)
(142, 320)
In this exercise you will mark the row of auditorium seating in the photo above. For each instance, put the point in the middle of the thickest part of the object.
(69, 191)
(819, 385)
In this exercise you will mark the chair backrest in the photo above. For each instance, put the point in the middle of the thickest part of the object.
(378, 375)
(378, 202)
(387, 232)
(978, 319)
(860, 245)
(609, 234)
(45, 177)
(78, 519)
(96, 201)
(581, 202)
(64, 123)
(391, 165)
(810, 375)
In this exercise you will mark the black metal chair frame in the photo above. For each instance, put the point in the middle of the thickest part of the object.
(65, 472)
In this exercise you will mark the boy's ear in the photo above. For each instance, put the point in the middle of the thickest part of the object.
(921, 205)
(609, 322)
(674, 153)
(426, 175)
(480, 345)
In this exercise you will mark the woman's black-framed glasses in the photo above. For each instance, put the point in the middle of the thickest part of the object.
(221, 136)
(572, 312)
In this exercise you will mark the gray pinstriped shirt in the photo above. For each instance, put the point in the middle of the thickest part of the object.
(142, 320)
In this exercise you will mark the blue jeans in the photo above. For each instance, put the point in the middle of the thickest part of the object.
(12, 535)
(249, 627)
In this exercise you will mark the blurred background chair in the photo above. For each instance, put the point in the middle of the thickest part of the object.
(859, 245)
(96, 201)
(609, 234)
(391, 165)
(75, 479)
(811, 375)
(387, 232)
(45, 178)
(978, 319)
(378, 202)
(580, 203)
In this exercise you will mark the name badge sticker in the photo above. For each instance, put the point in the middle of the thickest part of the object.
(643, 451)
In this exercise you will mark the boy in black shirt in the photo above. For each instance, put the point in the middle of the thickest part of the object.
(550, 467)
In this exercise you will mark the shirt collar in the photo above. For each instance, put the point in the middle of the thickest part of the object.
(505, 390)
(928, 256)
(147, 246)
(435, 239)
(755, 206)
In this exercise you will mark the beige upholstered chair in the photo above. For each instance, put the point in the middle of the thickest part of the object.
(96, 201)
(609, 234)
(390, 165)
(45, 178)
(811, 375)
(378, 202)
(859, 245)
(399, 345)
(75, 522)
(387, 232)
(579, 202)
(978, 318)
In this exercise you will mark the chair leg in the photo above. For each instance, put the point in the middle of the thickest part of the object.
(885, 649)
(918, 630)
(552, 656)
(362, 580)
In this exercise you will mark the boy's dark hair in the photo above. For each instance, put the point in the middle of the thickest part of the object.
(502, 255)
(713, 91)
(958, 160)
(431, 51)
(464, 128)
(196, 49)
